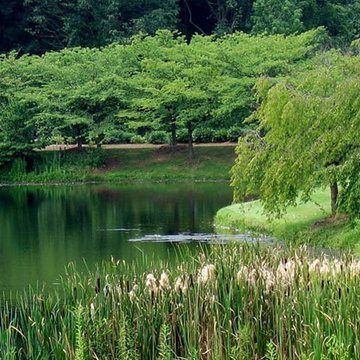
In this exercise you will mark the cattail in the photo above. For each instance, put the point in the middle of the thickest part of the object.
(151, 283)
(291, 268)
(164, 281)
(191, 280)
(243, 273)
(252, 278)
(181, 284)
(337, 268)
(132, 295)
(247, 274)
(97, 286)
(355, 267)
(286, 271)
(315, 266)
(92, 311)
(185, 286)
(207, 273)
(178, 284)
(119, 289)
(269, 279)
(132, 292)
(324, 268)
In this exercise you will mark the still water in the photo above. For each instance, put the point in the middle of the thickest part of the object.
(42, 229)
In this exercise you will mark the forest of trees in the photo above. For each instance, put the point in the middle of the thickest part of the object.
(37, 26)
(152, 89)
(119, 71)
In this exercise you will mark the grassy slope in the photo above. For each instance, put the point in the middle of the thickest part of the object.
(210, 163)
(147, 164)
(296, 225)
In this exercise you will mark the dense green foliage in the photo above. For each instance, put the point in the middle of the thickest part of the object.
(120, 93)
(234, 302)
(38, 26)
(307, 137)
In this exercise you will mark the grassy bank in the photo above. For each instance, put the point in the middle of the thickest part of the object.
(209, 163)
(234, 302)
(309, 222)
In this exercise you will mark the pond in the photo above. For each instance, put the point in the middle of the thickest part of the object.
(42, 229)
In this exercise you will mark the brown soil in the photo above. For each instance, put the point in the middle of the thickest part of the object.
(328, 221)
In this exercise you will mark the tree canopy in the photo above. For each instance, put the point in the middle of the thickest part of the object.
(37, 26)
(119, 93)
(306, 137)
(209, 81)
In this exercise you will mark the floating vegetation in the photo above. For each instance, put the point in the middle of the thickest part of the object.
(231, 302)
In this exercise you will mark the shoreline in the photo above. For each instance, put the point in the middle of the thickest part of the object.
(308, 223)
(122, 166)
(64, 147)
(92, 182)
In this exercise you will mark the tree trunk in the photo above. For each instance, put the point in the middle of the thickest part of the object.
(79, 144)
(173, 133)
(334, 195)
(190, 139)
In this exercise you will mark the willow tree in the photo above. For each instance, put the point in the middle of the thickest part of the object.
(307, 137)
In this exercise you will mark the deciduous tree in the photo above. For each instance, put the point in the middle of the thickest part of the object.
(307, 138)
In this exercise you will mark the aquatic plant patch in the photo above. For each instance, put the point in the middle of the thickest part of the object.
(230, 302)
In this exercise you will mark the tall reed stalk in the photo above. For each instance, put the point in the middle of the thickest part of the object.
(230, 302)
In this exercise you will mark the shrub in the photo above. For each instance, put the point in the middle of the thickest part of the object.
(234, 133)
(182, 136)
(157, 137)
(220, 135)
(137, 139)
(203, 135)
(118, 137)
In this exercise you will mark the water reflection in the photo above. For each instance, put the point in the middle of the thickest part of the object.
(44, 228)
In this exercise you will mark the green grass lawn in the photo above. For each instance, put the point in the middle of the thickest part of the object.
(306, 223)
(210, 163)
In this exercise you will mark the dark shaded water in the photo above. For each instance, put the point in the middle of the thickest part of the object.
(44, 228)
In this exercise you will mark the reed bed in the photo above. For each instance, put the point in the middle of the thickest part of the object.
(230, 302)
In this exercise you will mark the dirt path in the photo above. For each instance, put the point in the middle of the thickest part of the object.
(131, 146)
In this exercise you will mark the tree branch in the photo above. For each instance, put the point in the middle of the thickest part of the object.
(190, 18)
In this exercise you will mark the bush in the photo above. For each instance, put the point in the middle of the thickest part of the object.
(95, 157)
(137, 139)
(203, 135)
(118, 137)
(182, 136)
(157, 137)
(220, 135)
(234, 133)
